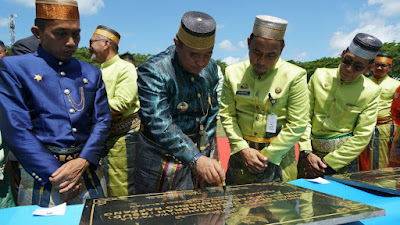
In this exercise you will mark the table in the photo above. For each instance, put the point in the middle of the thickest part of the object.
(22, 215)
(389, 203)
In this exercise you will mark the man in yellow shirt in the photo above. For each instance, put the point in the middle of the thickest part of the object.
(120, 77)
(343, 111)
(376, 155)
(264, 108)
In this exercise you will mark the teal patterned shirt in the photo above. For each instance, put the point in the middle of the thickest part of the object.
(165, 89)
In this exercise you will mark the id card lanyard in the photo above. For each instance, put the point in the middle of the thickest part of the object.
(272, 119)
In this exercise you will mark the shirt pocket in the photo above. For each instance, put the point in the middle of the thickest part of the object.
(350, 117)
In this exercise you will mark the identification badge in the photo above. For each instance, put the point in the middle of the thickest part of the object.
(242, 92)
(272, 121)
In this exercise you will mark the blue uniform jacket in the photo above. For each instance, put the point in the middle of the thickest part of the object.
(35, 110)
(163, 87)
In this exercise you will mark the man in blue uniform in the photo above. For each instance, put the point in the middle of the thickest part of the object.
(178, 109)
(54, 110)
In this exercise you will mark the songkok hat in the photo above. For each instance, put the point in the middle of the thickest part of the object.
(108, 33)
(384, 58)
(57, 9)
(365, 46)
(269, 27)
(197, 30)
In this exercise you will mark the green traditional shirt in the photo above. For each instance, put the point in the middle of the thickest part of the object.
(120, 78)
(389, 86)
(339, 108)
(245, 105)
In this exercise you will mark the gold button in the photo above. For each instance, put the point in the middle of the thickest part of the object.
(192, 79)
(62, 73)
(197, 119)
(72, 111)
(60, 63)
(40, 179)
(85, 80)
(198, 95)
(67, 92)
(74, 130)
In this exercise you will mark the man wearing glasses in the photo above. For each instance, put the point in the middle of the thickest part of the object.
(376, 154)
(343, 112)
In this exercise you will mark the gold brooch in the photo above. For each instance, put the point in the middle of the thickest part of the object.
(278, 90)
(38, 78)
(183, 106)
(244, 86)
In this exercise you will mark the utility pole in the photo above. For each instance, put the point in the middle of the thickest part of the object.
(11, 28)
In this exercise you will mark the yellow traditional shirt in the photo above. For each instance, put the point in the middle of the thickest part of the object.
(245, 105)
(389, 86)
(339, 108)
(120, 78)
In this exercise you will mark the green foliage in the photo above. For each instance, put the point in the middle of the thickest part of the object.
(310, 67)
(221, 64)
(83, 54)
(393, 49)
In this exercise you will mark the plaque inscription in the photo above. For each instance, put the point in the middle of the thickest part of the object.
(265, 203)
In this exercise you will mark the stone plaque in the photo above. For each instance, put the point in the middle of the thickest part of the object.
(263, 203)
(384, 180)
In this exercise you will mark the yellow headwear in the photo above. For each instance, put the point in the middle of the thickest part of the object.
(108, 33)
(384, 59)
(57, 9)
(269, 27)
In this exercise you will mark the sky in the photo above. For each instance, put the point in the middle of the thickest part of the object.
(316, 28)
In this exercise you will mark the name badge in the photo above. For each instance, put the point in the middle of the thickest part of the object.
(272, 121)
(242, 92)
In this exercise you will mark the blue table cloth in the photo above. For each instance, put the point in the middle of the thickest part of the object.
(390, 203)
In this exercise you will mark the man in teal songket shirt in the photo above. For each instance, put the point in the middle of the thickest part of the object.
(177, 93)
(120, 78)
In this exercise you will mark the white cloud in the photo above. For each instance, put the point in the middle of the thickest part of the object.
(242, 44)
(231, 60)
(370, 23)
(3, 22)
(227, 45)
(220, 26)
(90, 7)
(385, 32)
(301, 57)
(388, 7)
(86, 7)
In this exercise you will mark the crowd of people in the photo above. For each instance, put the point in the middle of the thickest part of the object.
(72, 131)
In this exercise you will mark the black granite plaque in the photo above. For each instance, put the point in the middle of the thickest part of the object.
(384, 180)
(263, 203)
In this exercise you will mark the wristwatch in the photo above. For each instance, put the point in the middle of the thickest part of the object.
(192, 163)
(305, 153)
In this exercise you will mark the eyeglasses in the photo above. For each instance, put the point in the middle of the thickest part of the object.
(381, 65)
(356, 66)
(91, 41)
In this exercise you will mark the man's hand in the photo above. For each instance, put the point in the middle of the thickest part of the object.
(210, 170)
(67, 176)
(314, 166)
(74, 192)
(254, 161)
